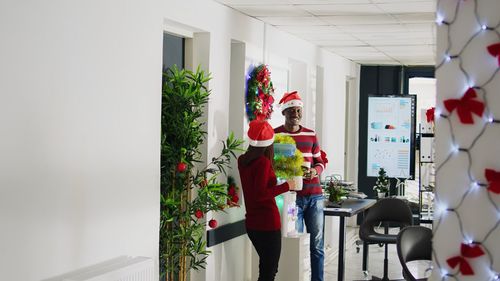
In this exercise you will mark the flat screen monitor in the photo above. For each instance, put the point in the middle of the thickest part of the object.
(391, 136)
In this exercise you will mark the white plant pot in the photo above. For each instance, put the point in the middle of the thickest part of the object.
(298, 182)
(381, 194)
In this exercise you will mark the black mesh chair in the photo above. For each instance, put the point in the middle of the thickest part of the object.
(414, 243)
(386, 212)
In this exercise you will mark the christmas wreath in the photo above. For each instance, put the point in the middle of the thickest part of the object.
(259, 95)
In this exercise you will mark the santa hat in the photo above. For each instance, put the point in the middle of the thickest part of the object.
(260, 133)
(290, 100)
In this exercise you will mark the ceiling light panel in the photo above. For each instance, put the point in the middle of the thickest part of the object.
(272, 11)
(355, 20)
(326, 2)
(324, 29)
(326, 36)
(400, 1)
(380, 28)
(354, 50)
(253, 2)
(416, 17)
(293, 21)
(392, 35)
(408, 7)
(339, 43)
(404, 50)
(399, 42)
(342, 9)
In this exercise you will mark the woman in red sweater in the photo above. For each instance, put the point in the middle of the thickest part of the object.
(259, 189)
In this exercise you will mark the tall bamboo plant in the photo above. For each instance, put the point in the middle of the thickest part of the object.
(183, 218)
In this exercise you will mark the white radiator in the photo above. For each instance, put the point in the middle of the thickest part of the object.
(119, 269)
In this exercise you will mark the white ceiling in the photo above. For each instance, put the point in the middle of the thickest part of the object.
(396, 32)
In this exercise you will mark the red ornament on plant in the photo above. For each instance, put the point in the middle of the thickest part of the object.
(212, 223)
(198, 214)
(181, 167)
(232, 192)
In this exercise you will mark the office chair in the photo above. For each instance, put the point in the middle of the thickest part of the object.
(386, 212)
(414, 243)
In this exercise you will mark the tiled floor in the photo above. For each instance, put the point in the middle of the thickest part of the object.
(376, 261)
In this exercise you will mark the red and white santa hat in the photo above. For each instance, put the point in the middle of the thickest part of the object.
(290, 100)
(260, 133)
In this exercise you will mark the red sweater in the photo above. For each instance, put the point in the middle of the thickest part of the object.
(307, 142)
(259, 189)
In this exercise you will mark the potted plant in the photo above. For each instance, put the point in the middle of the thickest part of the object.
(382, 184)
(335, 191)
(288, 160)
(188, 193)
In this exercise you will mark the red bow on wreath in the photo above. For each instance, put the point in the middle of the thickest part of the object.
(466, 251)
(466, 106)
(493, 178)
(267, 102)
(430, 114)
(494, 50)
(263, 75)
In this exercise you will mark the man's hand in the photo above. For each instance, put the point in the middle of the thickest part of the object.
(312, 173)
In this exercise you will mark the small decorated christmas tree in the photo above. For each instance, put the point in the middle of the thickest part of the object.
(382, 184)
(287, 159)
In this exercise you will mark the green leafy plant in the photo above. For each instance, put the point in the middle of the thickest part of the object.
(335, 191)
(382, 184)
(287, 165)
(183, 216)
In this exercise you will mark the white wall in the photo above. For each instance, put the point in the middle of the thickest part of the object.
(80, 85)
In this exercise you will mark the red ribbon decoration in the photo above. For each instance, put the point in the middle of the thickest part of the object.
(430, 114)
(494, 50)
(466, 251)
(471, 250)
(466, 106)
(463, 264)
(493, 178)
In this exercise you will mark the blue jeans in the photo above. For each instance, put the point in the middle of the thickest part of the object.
(310, 212)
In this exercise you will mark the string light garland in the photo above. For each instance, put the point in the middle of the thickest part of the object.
(472, 258)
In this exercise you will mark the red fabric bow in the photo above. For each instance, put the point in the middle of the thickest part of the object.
(463, 264)
(466, 106)
(494, 50)
(493, 178)
(471, 250)
(430, 114)
(466, 251)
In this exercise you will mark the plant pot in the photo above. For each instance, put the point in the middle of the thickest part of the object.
(381, 194)
(298, 182)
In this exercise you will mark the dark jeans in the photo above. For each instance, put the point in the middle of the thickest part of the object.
(268, 247)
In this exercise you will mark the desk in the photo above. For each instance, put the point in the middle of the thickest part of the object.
(356, 206)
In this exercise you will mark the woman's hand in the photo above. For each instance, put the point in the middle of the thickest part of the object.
(291, 184)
